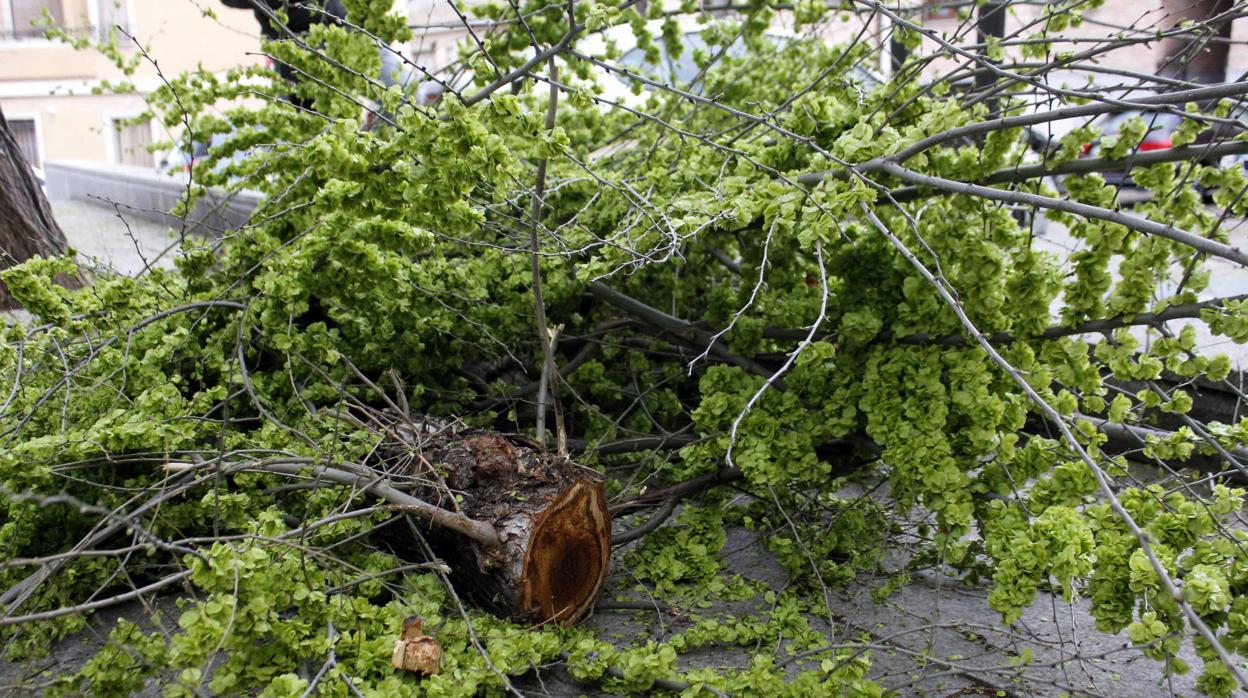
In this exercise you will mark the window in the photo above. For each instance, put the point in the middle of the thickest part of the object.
(27, 139)
(112, 13)
(130, 143)
(86, 18)
(23, 13)
(936, 9)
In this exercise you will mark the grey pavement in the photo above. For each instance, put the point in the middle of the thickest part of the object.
(935, 636)
(1225, 279)
(114, 239)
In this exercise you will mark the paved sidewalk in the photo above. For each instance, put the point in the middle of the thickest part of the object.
(113, 239)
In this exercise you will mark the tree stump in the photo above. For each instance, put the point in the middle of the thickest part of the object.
(550, 515)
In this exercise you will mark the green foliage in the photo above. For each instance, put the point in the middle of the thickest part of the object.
(402, 251)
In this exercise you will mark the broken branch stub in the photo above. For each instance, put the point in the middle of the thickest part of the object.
(550, 515)
(415, 651)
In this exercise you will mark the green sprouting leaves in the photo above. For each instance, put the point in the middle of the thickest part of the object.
(1207, 589)
(402, 249)
(859, 326)
(682, 554)
(1058, 545)
(1130, 132)
(1231, 320)
(33, 285)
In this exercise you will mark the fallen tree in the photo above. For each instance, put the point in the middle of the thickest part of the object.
(552, 534)
(853, 314)
(526, 534)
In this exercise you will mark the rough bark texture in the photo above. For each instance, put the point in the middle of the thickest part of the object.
(27, 228)
(550, 513)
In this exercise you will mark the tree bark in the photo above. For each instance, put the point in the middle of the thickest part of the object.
(990, 24)
(27, 227)
(1197, 58)
(550, 514)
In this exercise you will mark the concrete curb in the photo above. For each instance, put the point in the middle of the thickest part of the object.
(144, 193)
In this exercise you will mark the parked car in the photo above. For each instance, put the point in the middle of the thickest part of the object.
(1160, 136)
(1161, 128)
(1233, 160)
(186, 157)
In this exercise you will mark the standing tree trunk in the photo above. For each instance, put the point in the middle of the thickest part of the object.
(1199, 56)
(27, 228)
(990, 24)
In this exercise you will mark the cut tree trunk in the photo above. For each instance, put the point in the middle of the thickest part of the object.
(27, 228)
(550, 515)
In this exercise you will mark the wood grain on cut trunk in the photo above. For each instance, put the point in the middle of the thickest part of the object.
(550, 515)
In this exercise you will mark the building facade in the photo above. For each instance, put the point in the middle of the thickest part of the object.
(436, 32)
(46, 86)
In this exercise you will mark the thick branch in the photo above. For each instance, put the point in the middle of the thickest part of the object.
(640, 443)
(1176, 312)
(1013, 175)
(1128, 437)
(1122, 218)
(682, 329)
(1033, 119)
(379, 487)
(652, 524)
(548, 386)
(680, 490)
(97, 604)
(1199, 94)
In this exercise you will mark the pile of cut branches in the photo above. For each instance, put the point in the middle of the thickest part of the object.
(887, 323)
